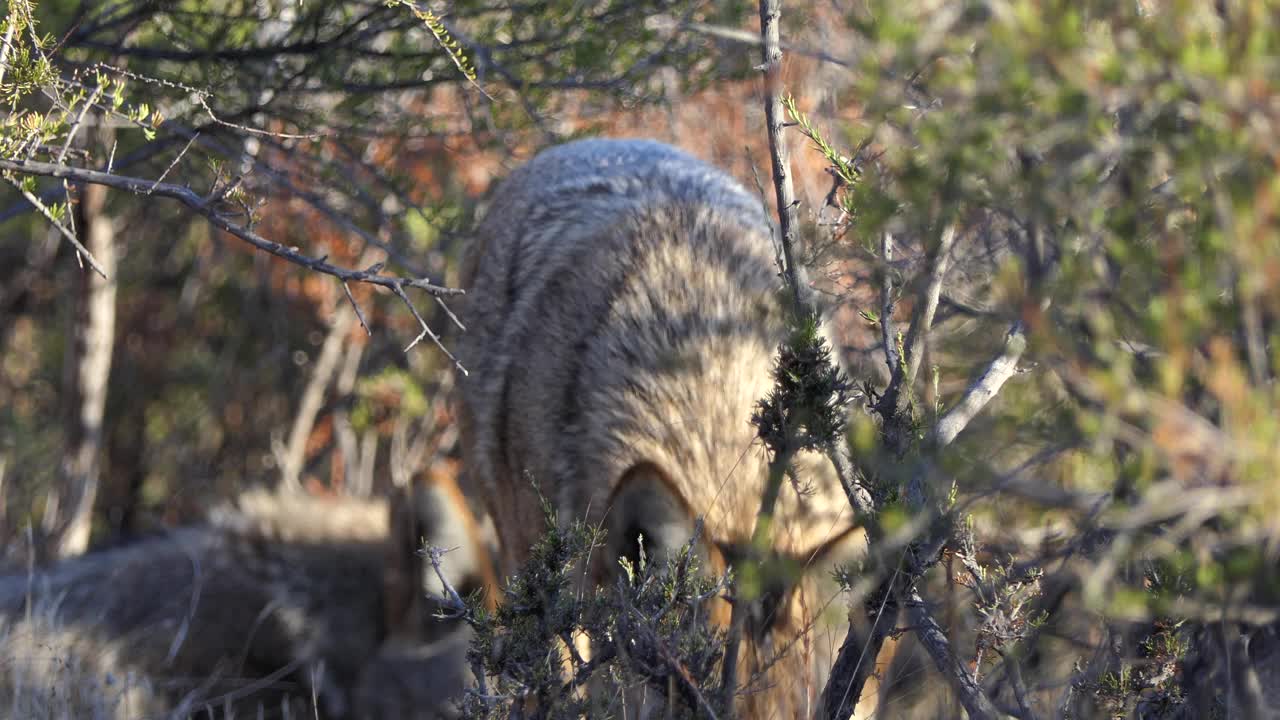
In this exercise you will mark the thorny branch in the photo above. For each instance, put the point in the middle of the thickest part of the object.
(209, 208)
(453, 599)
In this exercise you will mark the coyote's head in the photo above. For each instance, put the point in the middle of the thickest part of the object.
(792, 617)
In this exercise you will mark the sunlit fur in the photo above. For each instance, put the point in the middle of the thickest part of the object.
(624, 310)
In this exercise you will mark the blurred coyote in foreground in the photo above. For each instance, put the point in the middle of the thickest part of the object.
(624, 309)
(282, 599)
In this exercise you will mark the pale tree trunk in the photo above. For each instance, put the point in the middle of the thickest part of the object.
(292, 456)
(90, 367)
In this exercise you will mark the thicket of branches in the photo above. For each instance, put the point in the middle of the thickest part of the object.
(345, 137)
(1057, 219)
(1111, 517)
(1050, 232)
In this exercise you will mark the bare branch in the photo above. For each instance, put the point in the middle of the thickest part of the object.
(886, 305)
(208, 208)
(426, 331)
(70, 236)
(202, 102)
(452, 599)
(971, 696)
(356, 306)
(322, 375)
(174, 164)
(204, 207)
(983, 389)
(850, 479)
(927, 305)
(745, 37)
(4, 49)
(770, 14)
(75, 126)
(903, 369)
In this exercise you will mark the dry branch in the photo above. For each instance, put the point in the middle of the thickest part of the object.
(935, 642)
(208, 207)
(770, 14)
(771, 50)
(887, 335)
(81, 250)
(922, 318)
(983, 389)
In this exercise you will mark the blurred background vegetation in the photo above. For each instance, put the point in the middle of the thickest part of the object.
(355, 135)
(1107, 171)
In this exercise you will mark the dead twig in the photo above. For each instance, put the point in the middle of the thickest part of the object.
(209, 208)
(780, 155)
(81, 250)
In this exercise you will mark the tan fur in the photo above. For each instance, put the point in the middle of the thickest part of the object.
(623, 315)
(279, 596)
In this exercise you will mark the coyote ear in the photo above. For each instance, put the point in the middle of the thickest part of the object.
(645, 505)
(432, 510)
(445, 513)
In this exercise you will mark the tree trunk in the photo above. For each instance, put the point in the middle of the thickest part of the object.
(292, 457)
(90, 367)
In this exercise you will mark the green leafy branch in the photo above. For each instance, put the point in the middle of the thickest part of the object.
(451, 47)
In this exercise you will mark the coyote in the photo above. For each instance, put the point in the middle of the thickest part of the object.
(278, 599)
(624, 308)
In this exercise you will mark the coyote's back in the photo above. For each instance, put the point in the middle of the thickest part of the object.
(624, 307)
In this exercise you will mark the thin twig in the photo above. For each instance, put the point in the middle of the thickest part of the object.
(903, 368)
(35, 201)
(173, 164)
(75, 125)
(8, 42)
(356, 306)
(204, 207)
(200, 100)
(452, 598)
(746, 37)
(780, 155)
(887, 302)
(927, 305)
(449, 314)
(426, 331)
(208, 208)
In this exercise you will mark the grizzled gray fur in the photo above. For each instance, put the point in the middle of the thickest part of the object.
(624, 309)
(280, 599)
